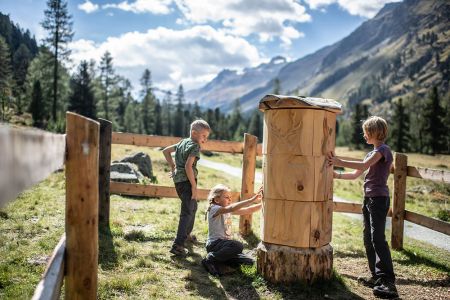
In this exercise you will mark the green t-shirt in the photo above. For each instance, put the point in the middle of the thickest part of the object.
(185, 148)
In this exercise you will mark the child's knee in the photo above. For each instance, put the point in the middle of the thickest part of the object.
(238, 246)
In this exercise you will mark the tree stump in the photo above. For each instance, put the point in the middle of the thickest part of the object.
(284, 264)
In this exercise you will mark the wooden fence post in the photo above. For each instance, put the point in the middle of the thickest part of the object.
(104, 173)
(81, 207)
(248, 179)
(398, 202)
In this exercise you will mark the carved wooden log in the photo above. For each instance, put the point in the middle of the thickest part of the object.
(298, 188)
(283, 264)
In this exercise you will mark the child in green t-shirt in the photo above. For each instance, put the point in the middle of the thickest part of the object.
(184, 174)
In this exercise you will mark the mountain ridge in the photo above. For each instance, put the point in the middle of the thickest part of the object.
(403, 49)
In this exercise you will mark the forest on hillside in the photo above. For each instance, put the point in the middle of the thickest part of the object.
(37, 88)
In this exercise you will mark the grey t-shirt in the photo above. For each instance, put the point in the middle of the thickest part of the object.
(219, 227)
(375, 181)
(185, 148)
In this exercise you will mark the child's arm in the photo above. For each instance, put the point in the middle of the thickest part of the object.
(167, 155)
(348, 176)
(237, 206)
(248, 210)
(357, 165)
(191, 176)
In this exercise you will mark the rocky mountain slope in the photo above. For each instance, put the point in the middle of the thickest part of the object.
(404, 49)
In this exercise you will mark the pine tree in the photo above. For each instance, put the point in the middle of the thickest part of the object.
(36, 105)
(131, 122)
(148, 103)
(82, 99)
(447, 122)
(178, 126)
(277, 86)
(357, 132)
(235, 117)
(211, 119)
(125, 98)
(108, 81)
(255, 125)
(41, 69)
(158, 118)
(434, 129)
(416, 107)
(187, 118)
(239, 133)
(148, 113)
(167, 114)
(146, 82)
(5, 79)
(196, 111)
(21, 61)
(59, 26)
(400, 127)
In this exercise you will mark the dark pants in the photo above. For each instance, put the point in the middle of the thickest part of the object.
(187, 212)
(227, 252)
(375, 210)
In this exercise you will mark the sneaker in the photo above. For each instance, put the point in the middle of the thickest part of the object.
(368, 281)
(179, 250)
(210, 267)
(386, 290)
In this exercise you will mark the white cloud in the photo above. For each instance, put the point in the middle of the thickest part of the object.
(161, 7)
(366, 8)
(266, 18)
(88, 7)
(189, 57)
(315, 4)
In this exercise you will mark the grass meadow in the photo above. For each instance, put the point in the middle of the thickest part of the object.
(134, 258)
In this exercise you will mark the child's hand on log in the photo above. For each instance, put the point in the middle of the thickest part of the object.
(332, 159)
(260, 194)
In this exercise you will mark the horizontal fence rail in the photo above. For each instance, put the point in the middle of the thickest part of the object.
(147, 190)
(430, 174)
(164, 141)
(417, 172)
(49, 288)
(27, 156)
(434, 224)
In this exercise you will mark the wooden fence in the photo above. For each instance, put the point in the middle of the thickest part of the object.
(87, 155)
(29, 156)
(250, 150)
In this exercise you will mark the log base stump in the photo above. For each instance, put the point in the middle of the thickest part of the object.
(284, 264)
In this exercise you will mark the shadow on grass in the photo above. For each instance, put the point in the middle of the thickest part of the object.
(426, 283)
(334, 288)
(198, 280)
(239, 285)
(353, 254)
(252, 240)
(414, 259)
(140, 236)
(107, 256)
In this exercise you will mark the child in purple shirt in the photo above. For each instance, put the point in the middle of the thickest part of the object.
(376, 205)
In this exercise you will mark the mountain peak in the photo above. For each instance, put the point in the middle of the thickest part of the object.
(277, 60)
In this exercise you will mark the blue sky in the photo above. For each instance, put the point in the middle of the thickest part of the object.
(190, 41)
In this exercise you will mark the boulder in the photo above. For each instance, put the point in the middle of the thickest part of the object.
(125, 172)
(142, 161)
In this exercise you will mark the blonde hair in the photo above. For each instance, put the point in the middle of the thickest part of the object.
(215, 192)
(199, 125)
(376, 127)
